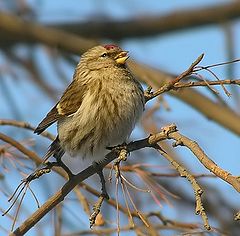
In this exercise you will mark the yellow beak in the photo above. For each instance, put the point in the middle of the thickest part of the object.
(121, 57)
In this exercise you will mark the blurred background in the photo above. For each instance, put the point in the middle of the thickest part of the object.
(40, 44)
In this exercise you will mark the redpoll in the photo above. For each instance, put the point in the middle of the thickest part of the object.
(98, 109)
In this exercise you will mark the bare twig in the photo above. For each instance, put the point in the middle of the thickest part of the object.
(216, 65)
(167, 221)
(215, 76)
(205, 160)
(25, 125)
(96, 211)
(170, 85)
(203, 83)
(197, 189)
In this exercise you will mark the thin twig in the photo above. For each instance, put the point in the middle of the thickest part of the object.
(203, 83)
(217, 64)
(197, 189)
(131, 222)
(205, 160)
(25, 125)
(170, 85)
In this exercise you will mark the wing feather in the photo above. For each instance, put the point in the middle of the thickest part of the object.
(69, 103)
(50, 118)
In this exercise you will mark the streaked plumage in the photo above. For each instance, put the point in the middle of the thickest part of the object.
(99, 108)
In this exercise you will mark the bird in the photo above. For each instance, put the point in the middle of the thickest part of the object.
(98, 109)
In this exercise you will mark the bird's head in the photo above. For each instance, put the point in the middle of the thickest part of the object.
(104, 56)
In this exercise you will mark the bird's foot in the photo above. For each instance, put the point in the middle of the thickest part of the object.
(122, 156)
(99, 171)
(122, 150)
(60, 163)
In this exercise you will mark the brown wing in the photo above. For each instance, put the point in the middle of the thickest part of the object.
(68, 104)
(50, 118)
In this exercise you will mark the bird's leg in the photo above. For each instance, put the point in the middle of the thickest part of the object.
(102, 179)
(122, 152)
(60, 163)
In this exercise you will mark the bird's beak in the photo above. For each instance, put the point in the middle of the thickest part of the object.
(121, 57)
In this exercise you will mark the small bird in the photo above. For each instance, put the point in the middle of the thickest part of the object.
(100, 107)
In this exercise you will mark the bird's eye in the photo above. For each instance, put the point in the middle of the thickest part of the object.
(104, 55)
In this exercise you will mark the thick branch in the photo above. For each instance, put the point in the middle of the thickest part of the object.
(15, 30)
(154, 25)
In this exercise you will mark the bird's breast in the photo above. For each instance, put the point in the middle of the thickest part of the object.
(106, 117)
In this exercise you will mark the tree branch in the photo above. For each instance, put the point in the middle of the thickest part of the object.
(147, 26)
(205, 160)
(168, 132)
(212, 110)
(25, 125)
(75, 180)
(18, 30)
(196, 187)
(60, 171)
(170, 85)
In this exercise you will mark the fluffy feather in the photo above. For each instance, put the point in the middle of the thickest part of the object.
(99, 108)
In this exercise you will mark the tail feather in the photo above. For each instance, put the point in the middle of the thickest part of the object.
(54, 150)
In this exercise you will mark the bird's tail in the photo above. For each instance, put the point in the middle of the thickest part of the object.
(54, 150)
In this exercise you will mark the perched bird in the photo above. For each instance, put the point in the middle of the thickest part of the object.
(98, 109)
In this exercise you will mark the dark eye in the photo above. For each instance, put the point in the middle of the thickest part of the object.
(104, 55)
